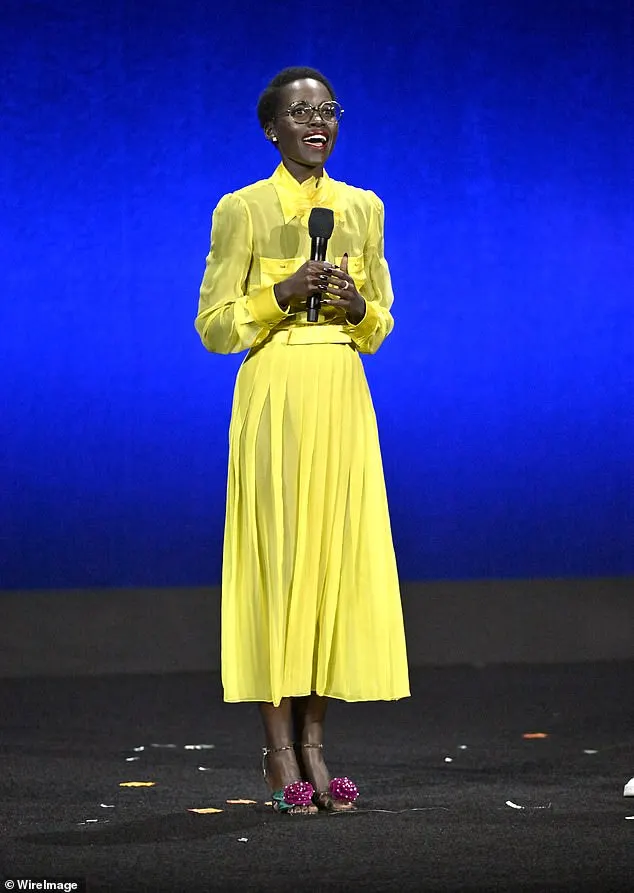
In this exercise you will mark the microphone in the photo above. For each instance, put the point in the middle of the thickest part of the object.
(321, 223)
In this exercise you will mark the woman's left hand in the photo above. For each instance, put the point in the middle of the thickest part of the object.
(345, 295)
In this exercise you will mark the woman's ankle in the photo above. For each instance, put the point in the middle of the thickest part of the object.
(280, 766)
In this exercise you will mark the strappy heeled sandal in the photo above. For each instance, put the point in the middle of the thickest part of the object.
(295, 798)
(341, 793)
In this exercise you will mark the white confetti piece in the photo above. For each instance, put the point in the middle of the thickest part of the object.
(138, 749)
(107, 805)
(628, 790)
(628, 818)
(131, 759)
(448, 760)
(204, 769)
(162, 745)
(199, 746)
(517, 806)
(242, 839)
(462, 747)
(588, 751)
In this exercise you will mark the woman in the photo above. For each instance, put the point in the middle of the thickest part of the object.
(310, 607)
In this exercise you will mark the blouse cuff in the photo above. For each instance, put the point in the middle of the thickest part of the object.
(263, 307)
(367, 326)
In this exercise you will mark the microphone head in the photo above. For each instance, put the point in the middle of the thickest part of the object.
(321, 223)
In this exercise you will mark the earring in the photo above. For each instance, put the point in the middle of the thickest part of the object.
(273, 139)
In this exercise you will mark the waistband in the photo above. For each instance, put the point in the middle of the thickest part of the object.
(310, 334)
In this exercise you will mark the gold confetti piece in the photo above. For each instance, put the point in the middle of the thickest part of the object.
(268, 803)
(136, 784)
(238, 802)
(208, 809)
(533, 735)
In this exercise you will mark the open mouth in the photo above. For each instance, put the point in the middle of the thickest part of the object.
(316, 139)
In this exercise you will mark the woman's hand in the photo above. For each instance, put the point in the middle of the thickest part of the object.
(312, 276)
(321, 276)
(345, 295)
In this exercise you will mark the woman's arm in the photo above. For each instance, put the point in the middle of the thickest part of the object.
(230, 319)
(377, 323)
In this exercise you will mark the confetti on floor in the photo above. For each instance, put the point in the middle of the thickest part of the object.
(136, 784)
(530, 736)
(517, 806)
(205, 811)
(628, 790)
(240, 802)
(590, 751)
(199, 746)
(358, 810)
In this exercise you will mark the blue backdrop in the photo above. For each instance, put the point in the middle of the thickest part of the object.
(500, 136)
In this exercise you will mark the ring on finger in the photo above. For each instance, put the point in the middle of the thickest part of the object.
(345, 285)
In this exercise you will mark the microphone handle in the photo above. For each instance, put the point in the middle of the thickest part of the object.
(318, 247)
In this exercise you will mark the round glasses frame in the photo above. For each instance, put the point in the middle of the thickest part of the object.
(303, 112)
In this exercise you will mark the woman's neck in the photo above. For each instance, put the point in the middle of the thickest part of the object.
(301, 172)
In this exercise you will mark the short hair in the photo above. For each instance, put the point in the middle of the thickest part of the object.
(268, 101)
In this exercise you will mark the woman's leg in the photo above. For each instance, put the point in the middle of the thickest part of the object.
(281, 765)
(309, 715)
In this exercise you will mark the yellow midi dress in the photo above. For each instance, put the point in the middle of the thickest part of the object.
(310, 593)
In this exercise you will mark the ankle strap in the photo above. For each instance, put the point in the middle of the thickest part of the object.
(313, 745)
(267, 750)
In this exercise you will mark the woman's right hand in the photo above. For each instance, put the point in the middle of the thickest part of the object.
(312, 276)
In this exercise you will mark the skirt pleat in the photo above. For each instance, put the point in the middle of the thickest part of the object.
(310, 599)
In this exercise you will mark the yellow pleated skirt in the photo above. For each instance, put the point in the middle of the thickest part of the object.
(310, 597)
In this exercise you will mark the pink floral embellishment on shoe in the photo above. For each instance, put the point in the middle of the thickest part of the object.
(299, 793)
(344, 789)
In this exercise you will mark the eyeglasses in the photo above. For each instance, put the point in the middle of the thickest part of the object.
(303, 112)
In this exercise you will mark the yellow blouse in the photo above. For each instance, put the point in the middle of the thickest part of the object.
(259, 236)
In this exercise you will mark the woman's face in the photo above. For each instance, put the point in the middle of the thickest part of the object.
(307, 145)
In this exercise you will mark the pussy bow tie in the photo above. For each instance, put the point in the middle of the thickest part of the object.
(299, 206)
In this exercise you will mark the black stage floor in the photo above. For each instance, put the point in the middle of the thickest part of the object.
(435, 772)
